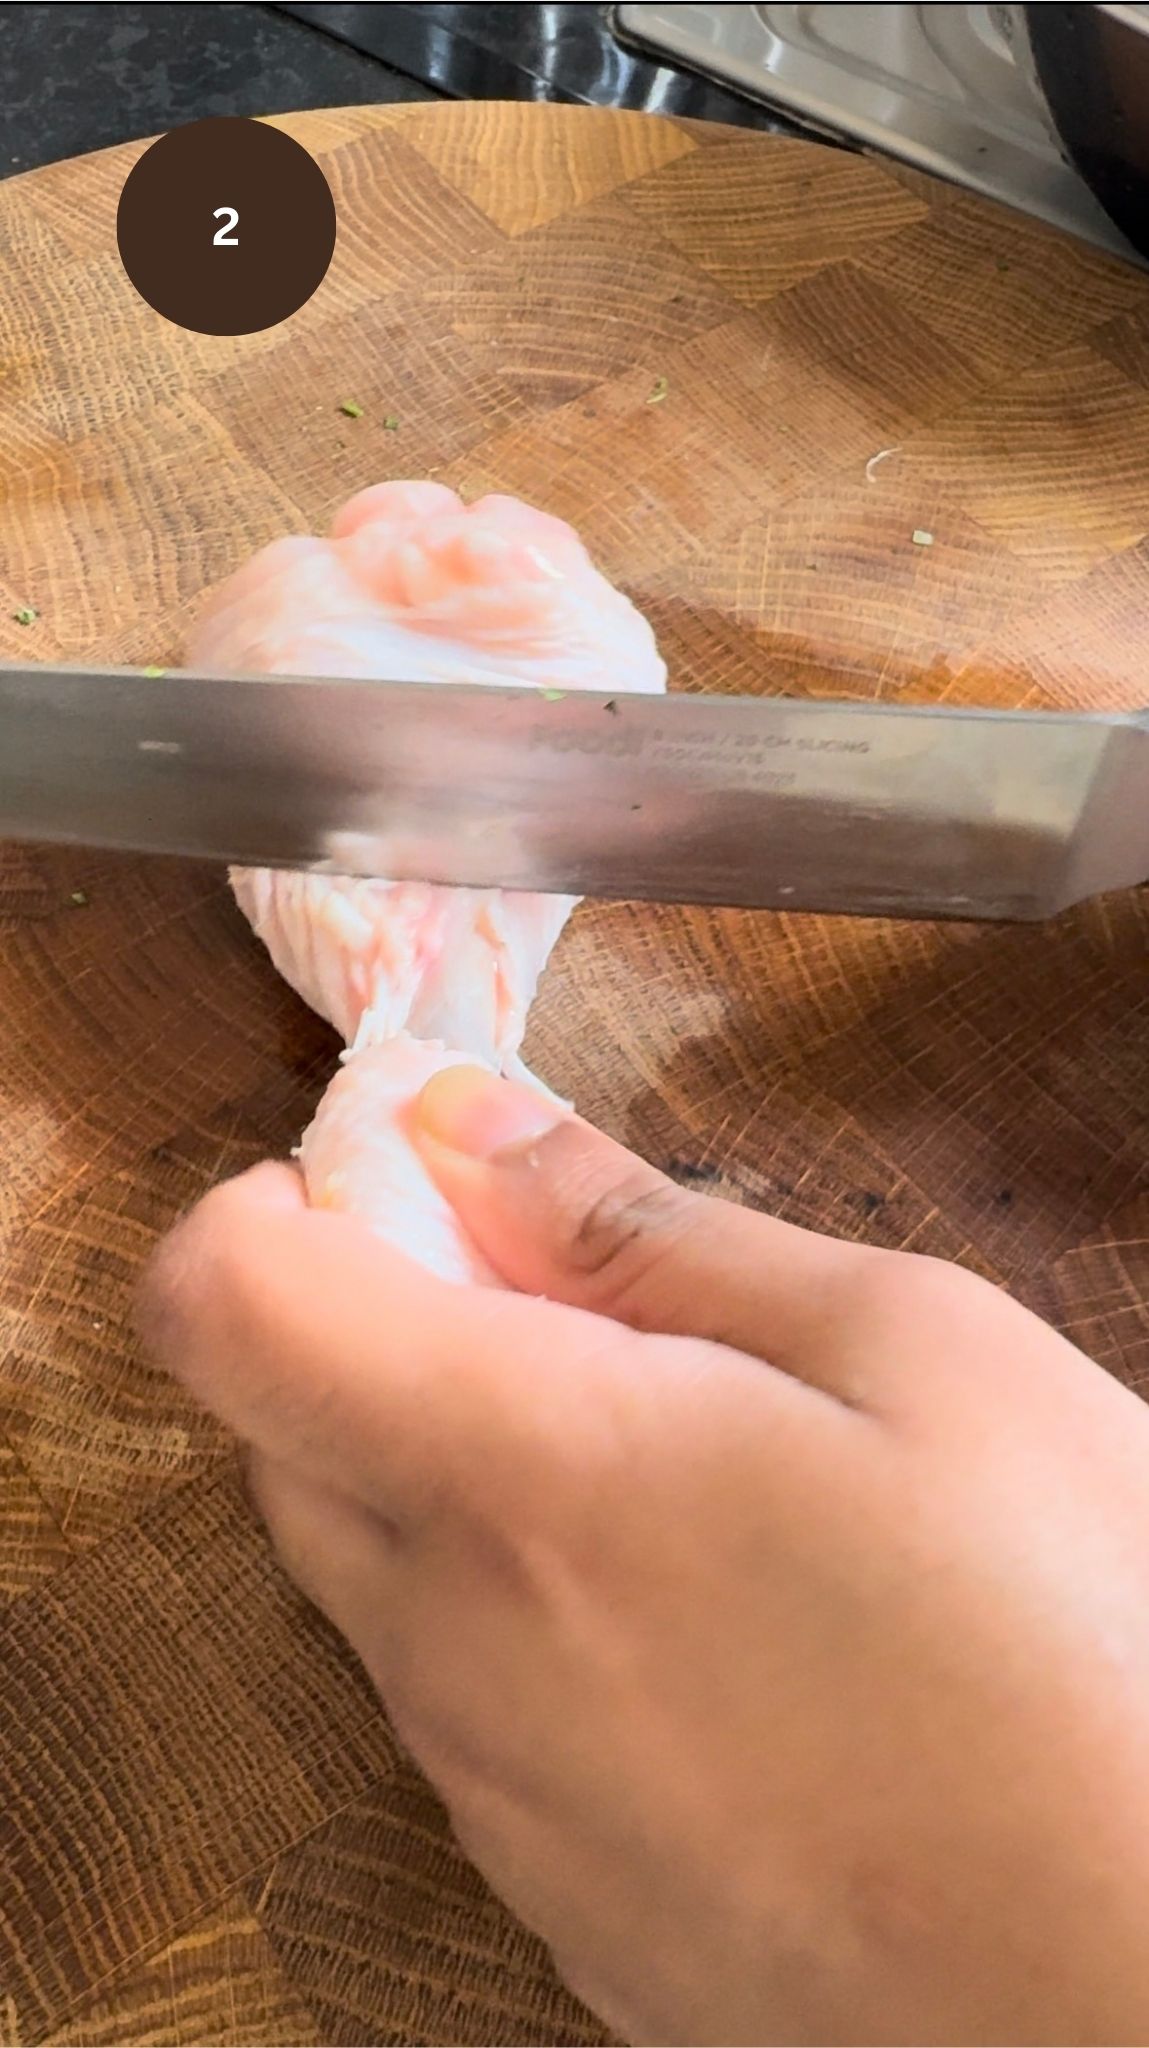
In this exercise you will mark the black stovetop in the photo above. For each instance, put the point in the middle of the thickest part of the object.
(76, 75)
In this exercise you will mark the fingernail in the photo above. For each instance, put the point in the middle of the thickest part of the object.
(480, 1114)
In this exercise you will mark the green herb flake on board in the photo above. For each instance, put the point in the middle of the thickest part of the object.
(390, 424)
(658, 390)
(352, 411)
(154, 672)
(26, 616)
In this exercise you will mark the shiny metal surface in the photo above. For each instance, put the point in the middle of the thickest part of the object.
(765, 802)
(483, 49)
(952, 90)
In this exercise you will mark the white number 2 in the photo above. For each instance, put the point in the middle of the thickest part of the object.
(223, 237)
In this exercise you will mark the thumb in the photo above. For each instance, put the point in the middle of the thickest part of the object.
(560, 1210)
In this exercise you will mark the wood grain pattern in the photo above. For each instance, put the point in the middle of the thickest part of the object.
(206, 1832)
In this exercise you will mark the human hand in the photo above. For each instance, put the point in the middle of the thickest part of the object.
(771, 1613)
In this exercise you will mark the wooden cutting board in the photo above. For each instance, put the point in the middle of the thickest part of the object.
(903, 451)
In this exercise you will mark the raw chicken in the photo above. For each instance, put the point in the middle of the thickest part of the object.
(413, 585)
(357, 1156)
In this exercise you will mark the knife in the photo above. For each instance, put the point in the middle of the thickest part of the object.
(767, 802)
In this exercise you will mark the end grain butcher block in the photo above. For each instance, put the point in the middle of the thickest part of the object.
(837, 431)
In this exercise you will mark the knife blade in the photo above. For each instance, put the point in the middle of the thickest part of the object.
(764, 802)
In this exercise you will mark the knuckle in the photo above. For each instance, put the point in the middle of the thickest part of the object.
(628, 1231)
(167, 1291)
(211, 1256)
(893, 1283)
(209, 1296)
(268, 1490)
(939, 1282)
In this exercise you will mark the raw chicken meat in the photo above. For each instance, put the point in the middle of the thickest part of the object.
(413, 585)
(356, 1156)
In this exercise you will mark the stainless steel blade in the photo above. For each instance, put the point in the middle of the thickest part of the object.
(766, 802)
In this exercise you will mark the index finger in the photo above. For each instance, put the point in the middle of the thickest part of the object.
(323, 1347)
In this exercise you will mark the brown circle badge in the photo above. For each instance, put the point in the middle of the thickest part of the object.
(226, 226)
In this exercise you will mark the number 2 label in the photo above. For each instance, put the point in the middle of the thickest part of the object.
(223, 237)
